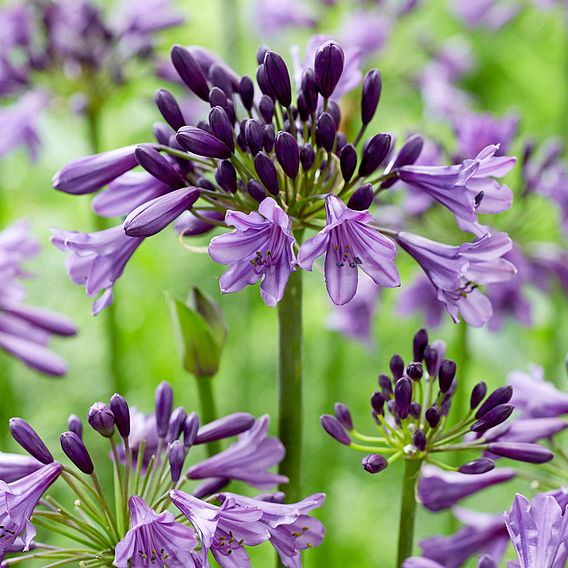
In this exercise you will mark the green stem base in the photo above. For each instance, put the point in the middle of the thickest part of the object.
(208, 409)
(407, 510)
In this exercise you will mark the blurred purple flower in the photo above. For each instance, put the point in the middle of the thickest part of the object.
(274, 16)
(366, 31)
(491, 14)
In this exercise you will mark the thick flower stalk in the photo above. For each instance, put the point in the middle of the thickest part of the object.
(410, 411)
(138, 525)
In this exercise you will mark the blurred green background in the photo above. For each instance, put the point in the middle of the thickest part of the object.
(522, 67)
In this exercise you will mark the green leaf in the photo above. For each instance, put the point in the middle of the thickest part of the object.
(210, 311)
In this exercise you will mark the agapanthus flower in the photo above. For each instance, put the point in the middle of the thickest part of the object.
(491, 14)
(16, 466)
(270, 162)
(149, 457)
(25, 331)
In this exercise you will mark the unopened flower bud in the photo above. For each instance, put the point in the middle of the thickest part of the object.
(415, 409)
(218, 78)
(403, 396)
(396, 366)
(230, 425)
(169, 108)
(476, 467)
(378, 401)
(27, 437)
(325, 131)
(419, 343)
(362, 198)
(101, 419)
(419, 440)
(414, 371)
(221, 126)
(348, 161)
(307, 157)
(385, 384)
(278, 77)
(374, 463)
(493, 418)
(254, 135)
(334, 110)
(268, 137)
(121, 412)
(156, 164)
(446, 374)
(501, 395)
(190, 429)
(343, 415)
(176, 457)
(334, 428)
(75, 425)
(77, 452)
(226, 176)
(189, 71)
(164, 398)
(202, 143)
(309, 90)
(374, 153)
(256, 191)
(266, 108)
(433, 416)
(328, 67)
(267, 173)
(371, 94)
(176, 423)
(288, 154)
(246, 91)
(477, 395)
(531, 453)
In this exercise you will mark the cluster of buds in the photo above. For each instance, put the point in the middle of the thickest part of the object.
(412, 408)
(149, 456)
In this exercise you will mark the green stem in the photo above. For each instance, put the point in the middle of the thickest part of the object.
(208, 408)
(461, 396)
(290, 384)
(407, 510)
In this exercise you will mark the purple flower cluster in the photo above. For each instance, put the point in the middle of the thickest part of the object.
(25, 331)
(285, 170)
(149, 455)
(73, 41)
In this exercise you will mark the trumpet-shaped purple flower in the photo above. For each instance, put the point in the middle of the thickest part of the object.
(538, 531)
(260, 248)
(438, 489)
(17, 503)
(482, 534)
(349, 244)
(15, 466)
(96, 260)
(290, 526)
(155, 539)
(526, 430)
(534, 397)
(246, 460)
(223, 530)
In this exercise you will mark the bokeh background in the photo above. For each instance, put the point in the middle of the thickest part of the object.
(522, 67)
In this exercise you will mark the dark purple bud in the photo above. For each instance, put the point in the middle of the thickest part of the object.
(303, 110)
(162, 133)
(226, 176)
(486, 561)
(476, 467)
(325, 131)
(119, 408)
(374, 153)
(246, 91)
(75, 425)
(267, 173)
(230, 425)
(309, 90)
(414, 371)
(177, 457)
(446, 374)
(334, 428)
(493, 418)
(415, 409)
(175, 425)
(268, 137)
(477, 395)
(519, 451)
(378, 402)
(77, 452)
(164, 400)
(391, 405)
(217, 97)
(190, 429)
(260, 53)
(219, 78)
(190, 72)
(431, 360)
(501, 395)
(348, 161)
(202, 143)
(374, 463)
(204, 125)
(403, 396)
(169, 108)
(419, 440)
(27, 437)
(221, 126)
(278, 77)
(386, 385)
(362, 198)
(288, 154)
(335, 111)
(206, 184)
(328, 67)
(343, 415)
(307, 157)
(433, 416)
(419, 343)
(340, 142)
(409, 153)
(371, 94)
(263, 82)
(256, 191)
(266, 108)
(396, 366)
(101, 419)
(153, 162)
(254, 135)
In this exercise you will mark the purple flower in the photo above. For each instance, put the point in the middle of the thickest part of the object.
(154, 537)
(139, 20)
(538, 529)
(260, 248)
(438, 489)
(534, 397)
(348, 244)
(366, 31)
(290, 526)
(526, 430)
(224, 529)
(96, 260)
(247, 459)
(491, 14)
(274, 16)
(14, 466)
(355, 319)
(18, 501)
(482, 534)
(421, 296)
